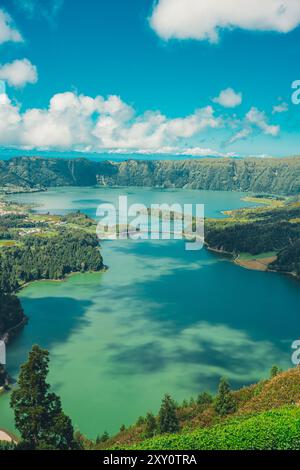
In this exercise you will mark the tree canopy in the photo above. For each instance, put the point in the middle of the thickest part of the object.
(38, 412)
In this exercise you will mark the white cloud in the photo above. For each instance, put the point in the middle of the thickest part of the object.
(151, 130)
(19, 73)
(254, 120)
(205, 152)
(259, 119)
(204, 19)
(241, 135)
(176, 151)
(280, 108)
(73, 122)
(7, 30)
(229, 98)
(86, 124)
(10, 121)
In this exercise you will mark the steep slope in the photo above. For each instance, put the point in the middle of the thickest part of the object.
(267, 412)
(272, 430)
(275, 176)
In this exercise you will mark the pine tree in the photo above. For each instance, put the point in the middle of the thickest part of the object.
(150, 425)
(204, 398)
(103, 438)
(38, 412)
(274, 371)
(167, 419)
(225, 402)
(140, 421)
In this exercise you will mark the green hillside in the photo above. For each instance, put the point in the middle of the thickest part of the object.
(272, 430)
(269, 233)
(271, 176)
(266, 416)
(34, 247)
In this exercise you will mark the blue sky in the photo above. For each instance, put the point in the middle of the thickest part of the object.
(159, 72)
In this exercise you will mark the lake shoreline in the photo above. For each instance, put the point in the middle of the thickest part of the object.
(27, 284)
(63, 279)
(252, 264)
(6, 436)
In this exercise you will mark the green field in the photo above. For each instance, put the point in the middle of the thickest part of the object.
(249, 256)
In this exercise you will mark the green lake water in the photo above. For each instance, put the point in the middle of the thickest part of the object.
(161, 319)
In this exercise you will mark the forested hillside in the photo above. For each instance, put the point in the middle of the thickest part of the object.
(275, 176)
(11, 312)
(271, 233)
(34, 247)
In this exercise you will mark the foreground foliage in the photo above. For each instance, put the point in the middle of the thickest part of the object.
(205, 419)
(225, 403)
(272, 430)
(167, 418)
(38, 411)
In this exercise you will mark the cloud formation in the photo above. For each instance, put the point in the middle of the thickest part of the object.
(19, 73)
(8, 32)
(259, 119)
(280, 108)
(74, 122)
(83, 123)
(204, 19)
(229, 98)
(255, 120)
(241, 135)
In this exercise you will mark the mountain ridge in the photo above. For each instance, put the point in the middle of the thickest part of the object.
(273, 175)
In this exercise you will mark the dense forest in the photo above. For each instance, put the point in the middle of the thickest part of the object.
(36, 247)
(48, 258)
(258, 231)
(11, 312)
(273, 175)
(45, 247)
(288, 259)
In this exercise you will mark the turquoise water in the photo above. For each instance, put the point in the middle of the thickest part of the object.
(161, 319)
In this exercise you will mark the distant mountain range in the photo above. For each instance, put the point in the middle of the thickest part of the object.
(270, 175)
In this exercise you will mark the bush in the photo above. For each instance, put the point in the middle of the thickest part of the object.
(204, 398)
(272, 430)
(7, 446)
